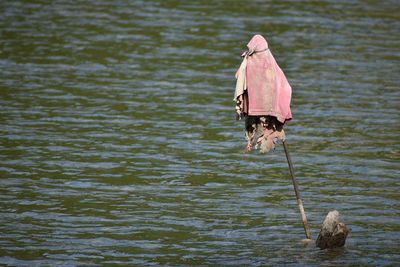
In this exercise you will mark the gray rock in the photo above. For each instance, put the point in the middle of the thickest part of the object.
(333, 232)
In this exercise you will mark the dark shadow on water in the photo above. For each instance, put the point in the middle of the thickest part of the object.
(334, 257)
(332, 254)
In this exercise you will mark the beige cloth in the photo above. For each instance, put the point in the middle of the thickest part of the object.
(241, 85)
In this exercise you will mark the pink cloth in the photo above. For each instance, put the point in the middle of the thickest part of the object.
(269, 92)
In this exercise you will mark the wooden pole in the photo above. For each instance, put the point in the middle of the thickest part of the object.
(296, 190)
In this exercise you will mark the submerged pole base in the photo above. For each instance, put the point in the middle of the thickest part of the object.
(306, 241)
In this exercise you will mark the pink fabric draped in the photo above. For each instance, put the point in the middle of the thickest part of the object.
(269, 92)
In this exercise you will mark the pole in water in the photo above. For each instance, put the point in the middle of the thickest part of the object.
(296, 190)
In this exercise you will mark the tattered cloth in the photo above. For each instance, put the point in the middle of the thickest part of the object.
(263, 132)
(262, 96)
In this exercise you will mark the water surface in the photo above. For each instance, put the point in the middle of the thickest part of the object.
(119, 146)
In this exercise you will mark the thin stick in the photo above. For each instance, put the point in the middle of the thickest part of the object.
(296, 190)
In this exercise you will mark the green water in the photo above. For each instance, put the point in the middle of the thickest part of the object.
(118, 144)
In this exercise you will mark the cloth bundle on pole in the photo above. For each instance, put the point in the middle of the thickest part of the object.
(262, 96)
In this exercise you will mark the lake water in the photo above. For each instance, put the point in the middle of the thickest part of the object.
(119, 145)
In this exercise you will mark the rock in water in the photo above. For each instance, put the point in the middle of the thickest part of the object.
(333, 232)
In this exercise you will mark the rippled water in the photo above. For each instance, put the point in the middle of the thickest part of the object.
(119, 146)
